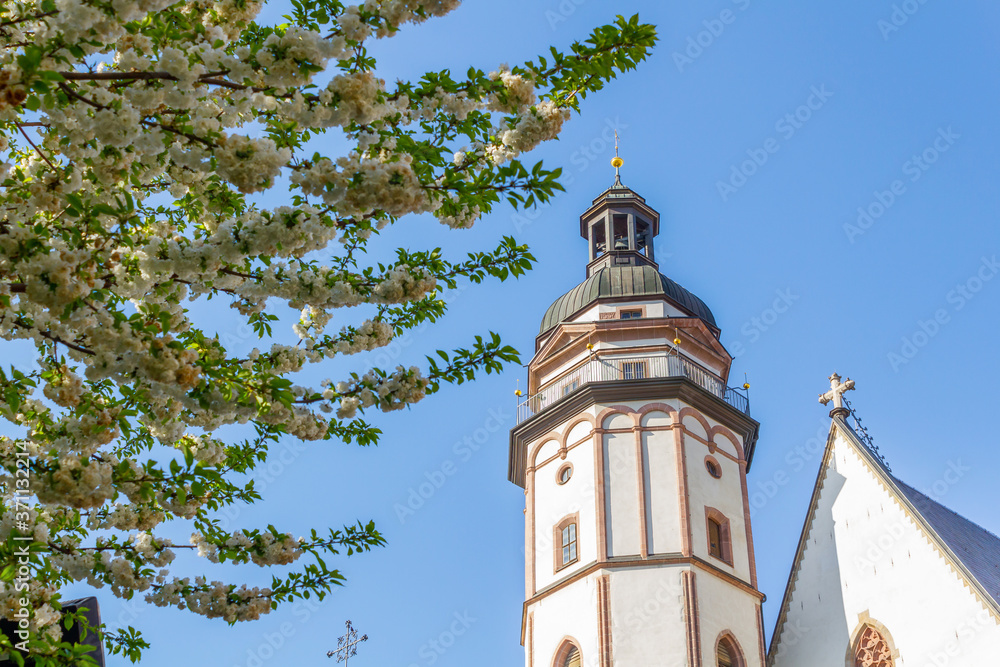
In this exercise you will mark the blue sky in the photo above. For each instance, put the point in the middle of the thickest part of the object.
(912, 282)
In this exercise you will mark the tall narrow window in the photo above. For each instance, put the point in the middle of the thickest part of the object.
(565, 540)
(569, 544)
(619, 229)
(715, 538)
(572, 658)
(641, 236)
(719, 541)
(597, 233)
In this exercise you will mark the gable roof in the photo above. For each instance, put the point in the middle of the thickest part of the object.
(971, 549)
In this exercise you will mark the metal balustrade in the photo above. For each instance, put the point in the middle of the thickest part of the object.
(608, 369)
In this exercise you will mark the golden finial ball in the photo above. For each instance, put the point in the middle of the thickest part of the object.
(590, 346)
(517, 392)
(617, 162)
(746, 385)
(677, 341)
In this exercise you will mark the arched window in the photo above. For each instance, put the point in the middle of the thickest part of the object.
(572, 658)
(727, 653)
(872, 650)
(568, 654)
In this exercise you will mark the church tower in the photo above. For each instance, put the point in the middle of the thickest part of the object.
(633, 453)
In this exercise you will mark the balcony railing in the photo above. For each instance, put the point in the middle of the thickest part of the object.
(608, 369)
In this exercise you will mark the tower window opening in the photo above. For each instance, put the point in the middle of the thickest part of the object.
(719, 540)
(630, 314)
(642, 236)
(619, 226)
(713, 468)
(600, 239)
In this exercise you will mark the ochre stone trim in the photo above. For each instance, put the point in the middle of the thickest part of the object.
(599, 502)
(658, 407)
(604, 619)
(747, 527)
(687, 410)
(551, 436)
(655, 559)
(728, 435)
(682, 491)
(691, 618)
(613, 410)
(530, 644)
(760, 633)
(640, 472)
(530, 536)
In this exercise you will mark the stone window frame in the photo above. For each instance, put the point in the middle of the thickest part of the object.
(560, 482)
(712, 461)
(557, 545)
(866, 621)
(725, 535)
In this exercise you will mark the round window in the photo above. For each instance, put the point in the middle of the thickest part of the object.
(713, 467)
(564, 473)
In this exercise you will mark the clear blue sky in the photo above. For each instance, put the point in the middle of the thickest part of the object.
(888, 98)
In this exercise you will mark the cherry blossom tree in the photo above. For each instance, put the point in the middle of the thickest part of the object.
(138, 140)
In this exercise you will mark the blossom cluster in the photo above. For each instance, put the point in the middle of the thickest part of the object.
(136, 139)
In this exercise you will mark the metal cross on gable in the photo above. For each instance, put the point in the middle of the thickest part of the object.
(836, 393)
(347, 646)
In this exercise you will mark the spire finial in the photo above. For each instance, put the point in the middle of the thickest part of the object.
(836, 394)
(617, 163)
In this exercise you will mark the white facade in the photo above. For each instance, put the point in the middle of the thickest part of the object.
(867, 559)
(639, 492)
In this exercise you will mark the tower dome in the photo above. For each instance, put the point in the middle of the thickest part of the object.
(623, 282)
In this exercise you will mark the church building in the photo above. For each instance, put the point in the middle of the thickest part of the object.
(633, 452)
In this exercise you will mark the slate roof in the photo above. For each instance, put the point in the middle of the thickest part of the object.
(624, 281)
(976, 547)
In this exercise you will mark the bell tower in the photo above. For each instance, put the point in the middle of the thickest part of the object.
(633, 453)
